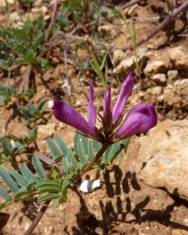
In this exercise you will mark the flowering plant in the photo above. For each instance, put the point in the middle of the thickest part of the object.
(115, 125)
(93, 145)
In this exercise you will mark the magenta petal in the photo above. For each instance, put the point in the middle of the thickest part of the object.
(140, 118)
(125, 92)
(67, 114)
(107, 112)
(91, 108)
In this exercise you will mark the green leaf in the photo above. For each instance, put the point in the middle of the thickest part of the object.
(49, 187)
(114, 150)
(79, 149)
(27, 173)
(20, 180)
(56, 153)
(4, 194)
(72, 160)
(96, 145)
(64, 149)
(61, 144)
(8, 180)
(38, 167)
(49, 197)
(21, 194)
(91, 151)
(6, 145)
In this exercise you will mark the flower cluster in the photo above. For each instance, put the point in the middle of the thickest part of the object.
(115, 125)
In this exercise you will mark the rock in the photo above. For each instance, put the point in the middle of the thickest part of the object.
(3, 19)
(107, 29)
(15, 19)
(160, 158)
(128, 64)
(172, 74)
(118, 56)
(159, 79)
(178, 56)
(47, 130)
(37, 12)
(155, 66)
(157, 90)
(3, 3)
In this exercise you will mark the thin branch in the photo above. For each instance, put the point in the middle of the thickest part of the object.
(131, 3)
(37, 219)
(52, 21)
(171, 16)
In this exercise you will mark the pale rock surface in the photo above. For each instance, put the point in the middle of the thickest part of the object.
(178, 55)
(156, 90)
(126, 62)
(155, 66)
(4, 2)
(159, 78)
(160, 159)
(172, 74)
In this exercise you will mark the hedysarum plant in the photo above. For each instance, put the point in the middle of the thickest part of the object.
(115, 125)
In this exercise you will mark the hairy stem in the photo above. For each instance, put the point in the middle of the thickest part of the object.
(93, 161)
(37, 218)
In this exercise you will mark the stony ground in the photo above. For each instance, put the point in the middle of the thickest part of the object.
(144, 192)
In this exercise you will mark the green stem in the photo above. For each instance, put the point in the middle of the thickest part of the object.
(93, 161)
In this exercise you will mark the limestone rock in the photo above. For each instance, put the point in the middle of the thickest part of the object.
(155, 66)
(156, 90)
(118, 56)
(128, 63)
(172, 74)
(178, 55)
(159, 78)
(160, 158)
(4, 2)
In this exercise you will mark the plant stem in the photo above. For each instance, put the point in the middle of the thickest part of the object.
(92, 162)
(37, 218)
(86, 168)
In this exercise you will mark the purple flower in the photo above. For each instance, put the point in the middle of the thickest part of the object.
(140, 118)
(67, 114)
(125, 92)
(107, 111)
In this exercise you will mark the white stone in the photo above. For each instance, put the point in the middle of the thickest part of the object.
(89, 185)
(50, 104)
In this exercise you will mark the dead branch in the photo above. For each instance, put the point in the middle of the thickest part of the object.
(169, 18)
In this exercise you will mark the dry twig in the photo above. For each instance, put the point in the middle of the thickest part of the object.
(170, 17)
(52, 22)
